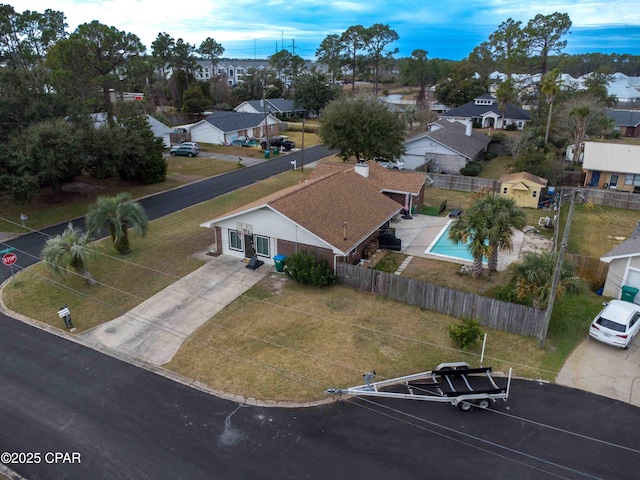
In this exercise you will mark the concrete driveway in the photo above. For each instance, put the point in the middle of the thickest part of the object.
(155, 329)
(605, 370)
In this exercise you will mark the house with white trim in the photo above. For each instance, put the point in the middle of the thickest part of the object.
(624, 267)
(485, 112)
(281, 107)
(223, 127)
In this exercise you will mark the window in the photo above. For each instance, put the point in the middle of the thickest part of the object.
(632, 180)
(535, 193)
(505, 190)
(262, 246)
(235, 240)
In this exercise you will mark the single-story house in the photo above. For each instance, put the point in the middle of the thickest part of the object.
(159, 129)
(446, 148)
(485, 112)
(627, 121)
(223, 127)
(624, 267)
(614, 166)
(336, 214)
(283, 108)
(523, 187)
(405, 188)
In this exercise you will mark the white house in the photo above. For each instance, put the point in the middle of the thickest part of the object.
(624, 267)
(223, 127)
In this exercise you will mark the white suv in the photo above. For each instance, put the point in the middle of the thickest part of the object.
(616, 324)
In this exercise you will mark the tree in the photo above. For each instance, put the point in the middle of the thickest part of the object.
(550, 88)
(417, 71)
(533, 275)
(362, 128)
(471, 229)
(162, 51)
(69, 250)
(579, 113)
(25, 37)
(183, 59)
(312, 92)
(507, 45)
(352, 42)
(502, 215)
(377, 38)
(104, 51)
(330, 54)
(117, 214)
(505, 94)
(461, 86)
(194, 100)
(543, 36)
(212, 51)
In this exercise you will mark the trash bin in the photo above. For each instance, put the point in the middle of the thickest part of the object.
(267, 153)
(629, 293)
(279, 261)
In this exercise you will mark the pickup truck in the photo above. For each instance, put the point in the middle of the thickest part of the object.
(278, 142)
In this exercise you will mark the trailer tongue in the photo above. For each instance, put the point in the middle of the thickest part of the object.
(455, 383)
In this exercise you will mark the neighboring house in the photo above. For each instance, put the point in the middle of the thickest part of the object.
(280, 107)
(446, 148)
(159, 129)
(627, 121)
(523, 187)
(614, 166)
(485, 112)
(624, 267)
(337, 216)
(223, 127)
(403, 187)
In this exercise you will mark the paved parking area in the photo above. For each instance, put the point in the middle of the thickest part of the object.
(605, 370)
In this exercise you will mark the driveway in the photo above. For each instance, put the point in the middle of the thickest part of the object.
(155, 329)
(605, 370)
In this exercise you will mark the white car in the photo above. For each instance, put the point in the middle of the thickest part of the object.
(616, 324)
(397, 165)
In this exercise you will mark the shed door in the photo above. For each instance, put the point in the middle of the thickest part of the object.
(595, 179)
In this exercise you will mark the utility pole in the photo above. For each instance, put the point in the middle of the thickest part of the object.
(557, 223)
(302, 150)
(556, 273)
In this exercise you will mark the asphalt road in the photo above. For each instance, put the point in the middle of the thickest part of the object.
(123, 422)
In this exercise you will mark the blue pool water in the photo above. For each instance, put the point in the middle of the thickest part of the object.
(444, 247)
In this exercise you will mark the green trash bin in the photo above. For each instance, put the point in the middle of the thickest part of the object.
(276, 151)
(267, 153)
(279, 261)
(629, 293)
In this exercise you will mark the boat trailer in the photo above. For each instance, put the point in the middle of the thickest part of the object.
(455, 383)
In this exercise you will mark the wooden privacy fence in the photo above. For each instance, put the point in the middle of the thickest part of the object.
(491, 313)
(590, 268)
(463, 183)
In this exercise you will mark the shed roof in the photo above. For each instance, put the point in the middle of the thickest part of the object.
(612, 157)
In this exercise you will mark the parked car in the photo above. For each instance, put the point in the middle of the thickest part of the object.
(193, 144)
(184, 150)
(391, 164)
(278, 142)
(616, 324)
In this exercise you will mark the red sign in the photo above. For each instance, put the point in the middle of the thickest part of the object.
(9, 258)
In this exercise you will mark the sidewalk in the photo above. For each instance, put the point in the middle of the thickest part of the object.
(154, 330)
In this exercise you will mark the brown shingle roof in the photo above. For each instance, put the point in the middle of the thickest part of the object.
(383, 178)
(342, 207)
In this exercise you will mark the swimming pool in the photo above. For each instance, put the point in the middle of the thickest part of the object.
(443, 247)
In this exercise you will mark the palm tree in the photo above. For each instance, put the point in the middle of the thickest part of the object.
(532, 278)
(68, 251)
(472, 230)
(502, 215)
(550, 87)
(117, 214)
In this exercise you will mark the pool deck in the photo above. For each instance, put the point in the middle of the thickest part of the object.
(419, 233)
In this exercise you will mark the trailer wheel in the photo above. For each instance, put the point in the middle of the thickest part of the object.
(483, 403)
(465, 406)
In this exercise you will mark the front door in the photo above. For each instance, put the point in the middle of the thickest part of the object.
(595, 179)
(248, 246)
(613, 182)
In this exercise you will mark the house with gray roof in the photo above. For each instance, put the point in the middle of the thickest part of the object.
(446, 148)
(281, 107)
(223, 127)
(627, 121)
(485, 112)
(624, 266)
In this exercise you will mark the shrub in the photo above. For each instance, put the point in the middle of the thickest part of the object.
(465, 333)
(498, 137)
(506, 293)
(489, 156)
(308, 269)
(472, 169)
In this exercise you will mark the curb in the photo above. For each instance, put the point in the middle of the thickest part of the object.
(150, 367)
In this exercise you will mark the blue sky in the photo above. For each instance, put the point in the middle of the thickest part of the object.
(445, 28)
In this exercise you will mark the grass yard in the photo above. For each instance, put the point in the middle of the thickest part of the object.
(282, 341)
(156, 261)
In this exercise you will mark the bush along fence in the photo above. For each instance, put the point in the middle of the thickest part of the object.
(492, 313)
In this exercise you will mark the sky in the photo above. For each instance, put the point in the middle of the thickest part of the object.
(448, 29)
